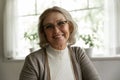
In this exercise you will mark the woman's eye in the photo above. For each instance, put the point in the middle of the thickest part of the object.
(48, 26)
(61, 23)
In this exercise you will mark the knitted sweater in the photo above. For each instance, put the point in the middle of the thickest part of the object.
(36, 66)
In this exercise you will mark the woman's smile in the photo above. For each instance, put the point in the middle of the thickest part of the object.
(58, 36)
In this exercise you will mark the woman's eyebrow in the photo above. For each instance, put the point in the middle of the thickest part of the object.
(61, 19)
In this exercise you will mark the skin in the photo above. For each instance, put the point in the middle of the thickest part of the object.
(57, 38)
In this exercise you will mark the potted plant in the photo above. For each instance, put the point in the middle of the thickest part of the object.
(88, 39)
(32, 38)
(90, 42)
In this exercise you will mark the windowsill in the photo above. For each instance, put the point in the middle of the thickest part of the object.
(108, 58)
(97, 58)
(103, 55)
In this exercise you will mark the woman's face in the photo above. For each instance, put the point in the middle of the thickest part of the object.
(57, 30)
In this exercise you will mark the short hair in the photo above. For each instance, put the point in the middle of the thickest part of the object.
(72, 38)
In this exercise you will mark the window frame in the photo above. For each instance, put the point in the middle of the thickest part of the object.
(7, 54)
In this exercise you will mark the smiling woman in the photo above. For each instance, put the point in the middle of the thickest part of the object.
(58, 59)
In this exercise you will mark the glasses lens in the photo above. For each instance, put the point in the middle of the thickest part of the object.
(51, 26)
(48, 26)
(61, 23)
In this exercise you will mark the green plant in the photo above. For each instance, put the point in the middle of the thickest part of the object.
(89, 40)
(32, 37)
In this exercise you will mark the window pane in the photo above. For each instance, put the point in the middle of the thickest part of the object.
(26, 7)
(43, 4)
(90, 22)
(96, 3)
(29, 25)
(73, 4)
(67, 4)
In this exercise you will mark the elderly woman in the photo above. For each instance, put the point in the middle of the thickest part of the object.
(57, 59)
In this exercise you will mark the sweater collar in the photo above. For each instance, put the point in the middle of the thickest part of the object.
(50, 49)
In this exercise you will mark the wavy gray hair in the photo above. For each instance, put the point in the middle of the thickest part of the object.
(42, 38)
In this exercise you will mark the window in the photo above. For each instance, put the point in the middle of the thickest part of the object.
(20, 28)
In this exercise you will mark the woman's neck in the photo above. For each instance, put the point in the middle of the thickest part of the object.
(59, 47)
(55, 52)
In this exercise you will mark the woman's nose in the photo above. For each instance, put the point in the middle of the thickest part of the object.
(56, 29)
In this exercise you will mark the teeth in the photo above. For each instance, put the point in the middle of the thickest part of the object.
(57, 36)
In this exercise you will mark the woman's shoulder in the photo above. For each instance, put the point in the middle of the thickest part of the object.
(77, 48)
(78, 51)
(38, 54)
(34, 61)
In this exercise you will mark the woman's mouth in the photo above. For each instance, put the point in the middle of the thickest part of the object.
(58, 36)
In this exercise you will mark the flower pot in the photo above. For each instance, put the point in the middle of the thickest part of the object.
(31, 49)
(89, 51)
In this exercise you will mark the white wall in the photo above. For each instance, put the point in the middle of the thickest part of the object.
(9, 70)
(108, 69)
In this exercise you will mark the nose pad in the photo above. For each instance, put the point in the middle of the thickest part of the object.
(56, 29)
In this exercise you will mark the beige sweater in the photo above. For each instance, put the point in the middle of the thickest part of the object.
(36, 66)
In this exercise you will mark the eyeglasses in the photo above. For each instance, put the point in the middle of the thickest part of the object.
(51, 26)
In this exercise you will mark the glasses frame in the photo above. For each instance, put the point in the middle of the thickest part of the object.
(51, 26)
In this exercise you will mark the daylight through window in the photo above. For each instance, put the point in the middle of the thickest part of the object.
(89, 15)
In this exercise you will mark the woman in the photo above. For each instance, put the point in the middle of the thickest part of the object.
(57, 60)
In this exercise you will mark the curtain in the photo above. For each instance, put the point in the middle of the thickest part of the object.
(10, 23)
(112, 27)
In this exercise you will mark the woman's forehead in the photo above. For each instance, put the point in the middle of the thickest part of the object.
(53, 16)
